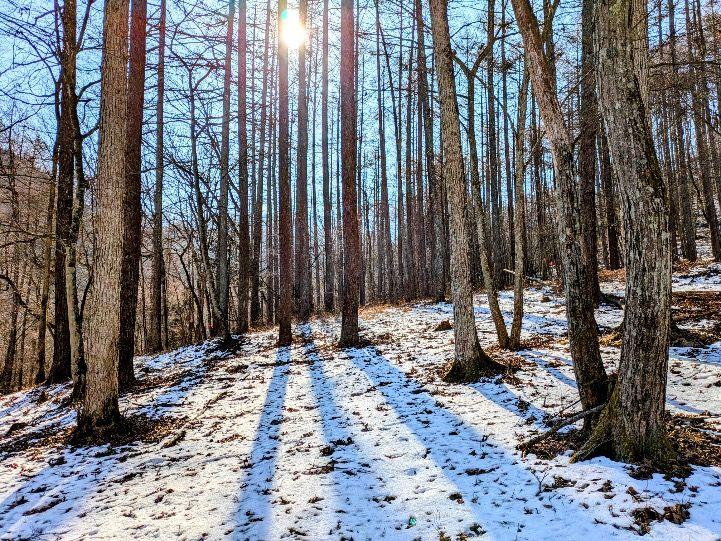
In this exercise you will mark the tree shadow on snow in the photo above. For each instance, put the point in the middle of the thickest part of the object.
(255, 507)
(351, 473)
(502, 493)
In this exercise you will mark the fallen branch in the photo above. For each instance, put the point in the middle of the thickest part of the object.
(558, 426)
(531, 278)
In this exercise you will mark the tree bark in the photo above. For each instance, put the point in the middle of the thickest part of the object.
(303, 280)
(486, 252)
(582, 329)
(520, 214)
(607, 182)
(98, 415)
(132, 234)
(244, 255)
(155, 342)
(60, 368)
(351, 240)
(328, 294)
(470, 360)
(687, 222)
(285, 223)
(223, 281)
(587, 150)
(631, 428)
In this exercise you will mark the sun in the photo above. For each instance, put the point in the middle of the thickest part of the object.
(292, 31)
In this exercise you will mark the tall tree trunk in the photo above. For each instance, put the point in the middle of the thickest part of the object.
(328, 296)
(470, 360)
(351, 238)
(75, 316)
(223, 282)
(303, 292)
(632, 426)
(60, 368)
(386, 281)
(132, 234)
(48, 264)
(435, 286)
(485, 249)
(98, 415)
(285, 222)
(520, 214)
(255, 308)
(582, 330)
(244, 254)
(587, 150)
(496, 243)
(409, 244)
(699, 95)
(687, 222)
(155, 333)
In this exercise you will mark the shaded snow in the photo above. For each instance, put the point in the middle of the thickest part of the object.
(314, 443)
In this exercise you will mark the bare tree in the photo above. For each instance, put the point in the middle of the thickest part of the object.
(470, 360)
(98, 415)
(285, 223)
(351, 238)
(582, 329)
(632, 427)
(132, 234)
(154, 338)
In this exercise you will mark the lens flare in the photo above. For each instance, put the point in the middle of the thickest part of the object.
(292, 31)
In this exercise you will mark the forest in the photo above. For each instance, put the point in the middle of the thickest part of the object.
(360, 270)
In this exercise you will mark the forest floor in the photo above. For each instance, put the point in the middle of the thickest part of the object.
(310, 442)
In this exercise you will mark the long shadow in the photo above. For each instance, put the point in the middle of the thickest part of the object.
(254, 508)
(710, 355)
(76, 473)
(540, 359)
(352, 475)
(477, 467)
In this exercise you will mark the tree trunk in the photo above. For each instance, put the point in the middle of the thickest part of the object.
(614, 252)
(520, 214)
(285, 223)
(435, 284)
(587, 150)
(485, 248)
(328, 294)
(60, 369)
(687, 222)
(155, 333)
(699, 96)
(132, 234)
(75, 316)
(303, 281)
(244, 255)
(223, 281)
(98, 415)
(470, 360)
(386, 282)
(47, 273)
(255, 307)
(631, 428)
(351, 241)
(582, 329)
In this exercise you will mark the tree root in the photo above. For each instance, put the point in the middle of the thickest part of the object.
(482, 366)
(610, 439)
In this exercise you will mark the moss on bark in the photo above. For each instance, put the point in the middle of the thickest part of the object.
(612, 439)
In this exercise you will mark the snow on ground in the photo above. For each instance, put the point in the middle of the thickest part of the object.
(314, 443)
